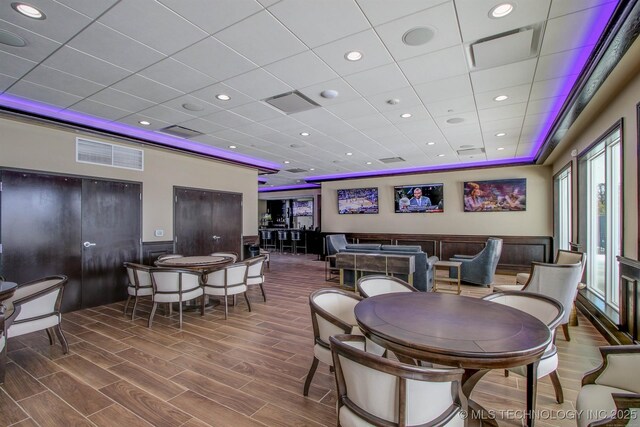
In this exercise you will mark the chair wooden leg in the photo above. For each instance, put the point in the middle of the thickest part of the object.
(50, 335)
(153, 312)
(247, 300)
(557, 387)
(312, 371)
(263, 294)
(126, 305)
(61, 338)
(565, 330)
(135, 305)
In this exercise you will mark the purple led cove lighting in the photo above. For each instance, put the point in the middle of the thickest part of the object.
(598, 19)
(288, 187)
(407, 171)
(37, 108)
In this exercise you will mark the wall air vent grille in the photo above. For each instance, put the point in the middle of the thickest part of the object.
(102, 153)
(392, 160)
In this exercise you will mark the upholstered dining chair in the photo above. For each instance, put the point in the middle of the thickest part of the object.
(562, 257)
(174, 285)
(373, 390)
(255, 273)
(35, 306)
(229, 281)
(368, 286)
(479, 269)
(139, 285)
(550, 312)
(3, 344)
(267, 257)
(611, 392)
(232, 255)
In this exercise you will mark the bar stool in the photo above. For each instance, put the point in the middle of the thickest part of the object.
(282, 238)
(266, 239)
(297, 241)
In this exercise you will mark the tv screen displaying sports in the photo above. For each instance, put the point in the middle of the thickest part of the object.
(419, 198)
(358, 201)
(303, 208)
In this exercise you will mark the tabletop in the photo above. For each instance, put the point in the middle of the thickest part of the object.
(7, 289)
(194, 261)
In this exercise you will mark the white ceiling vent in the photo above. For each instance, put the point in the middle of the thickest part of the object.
(180, 131)
(291, 102)
(296, 170)
(101, 153)
(392, 160)
(471, 151)
(505, 48)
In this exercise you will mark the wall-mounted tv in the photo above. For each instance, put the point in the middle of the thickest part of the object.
(419, 198)
(500, 195)
(358, 201)
(303, 208)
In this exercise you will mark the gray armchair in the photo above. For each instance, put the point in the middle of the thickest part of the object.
(335, 243)
(479, 269)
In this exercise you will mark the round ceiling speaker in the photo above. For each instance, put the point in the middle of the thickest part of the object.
(329, 93)
(418, 36)
(11, 39)
(455, 120)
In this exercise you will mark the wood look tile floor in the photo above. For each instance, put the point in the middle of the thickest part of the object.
(246, 371)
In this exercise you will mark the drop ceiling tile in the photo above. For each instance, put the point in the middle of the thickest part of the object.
(284, 124)
(145, 88)
(80, 64)
(345, 92)
(202, 125)
(475, 22)
(516, 94)
(524, 149)
(92, 9)
(406, 96)
(425, 127)
(258, 84)
(554, 87)
(209, 93)
(509, 75)
(55, 12)
(324, 121)
(152, 24)
(380, 134)
(433, 66)
(169, 115)
(374, 53)
(255, 129)
(352, 109)
(35, 92)
(179, 102)
(14, 66)
(495, 126)
(379, 12)
(441, 90)
(122, 100)
(447, 107)
(559, 8)
(316, 24)
(214, 59)
(468, 119)
(511, 138)
(257, 111)
(368, 82)
(418, 114)
(502, 112)
(561, 64)
(261, 38)
(440, 20)
(38, 47)
(177, 75)
(213, 19)
(134, 120)
(227, 118)
(545, 106)
(6, 82)
(370, 121)
(559, 34)
(301, 70)
(102, 42)
(97, 109)
(61, 81)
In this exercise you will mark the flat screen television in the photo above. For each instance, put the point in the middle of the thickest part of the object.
(303, 208)
(358, 201)
(422, 198)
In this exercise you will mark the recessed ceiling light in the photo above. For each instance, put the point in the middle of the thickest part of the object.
(405, 115)
(368, 163)
(223, 97)
(431, 143)
(440, 155)
(28, 10)
(354, 55)
(418, 36)
(144, 123)
(500, 98)
(501, 10)
(500, 148)
(305, 133)
(232, 146)
(286, 162)
(500, 134)
(349, 154)
(312, 169)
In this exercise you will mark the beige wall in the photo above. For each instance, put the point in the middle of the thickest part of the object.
(41, 148)
(535, 221)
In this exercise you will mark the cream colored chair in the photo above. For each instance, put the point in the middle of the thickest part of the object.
(174, 285)
(3, 344)
(139, 284)
(255, 273)
(267, 256)
(562, 257)
(610, 394)
(548, 311)
(230, 281)
(232, 255)
(368, 286)
(35, 306)
(373, 390)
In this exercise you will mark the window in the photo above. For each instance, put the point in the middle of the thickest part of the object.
(600, 217)
(562, 208)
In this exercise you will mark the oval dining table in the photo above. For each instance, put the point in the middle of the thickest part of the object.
(457, 331)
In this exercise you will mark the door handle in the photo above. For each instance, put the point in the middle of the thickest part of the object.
(88, 244)
(216, 237)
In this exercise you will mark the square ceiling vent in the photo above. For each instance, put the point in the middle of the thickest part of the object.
(291, 102)
(471, 151)
(392, 160)
(505, 48)
(180, 131)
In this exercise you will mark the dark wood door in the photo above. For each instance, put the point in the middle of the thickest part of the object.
(41, 230)
(207, 221)
(111, 234)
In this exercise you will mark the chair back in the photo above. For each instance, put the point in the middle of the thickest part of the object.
(230, 276)
(37, 299)
(558, 281)
(335, 243)
(332, 313)
(372, 285)
(282, 235)
(544, 308)
(265, 235)
(255, 266)
(174, 281)
(295, 235)
(572, 257)
(138, 274)
(232, 255)
(373, 390)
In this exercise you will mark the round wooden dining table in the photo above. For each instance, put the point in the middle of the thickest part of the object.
(457, 331)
